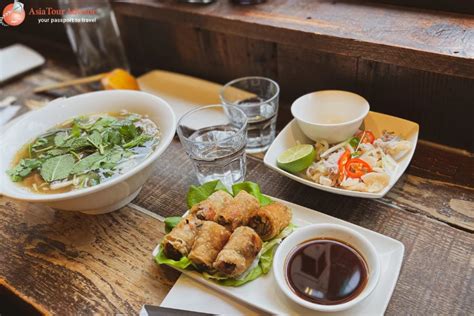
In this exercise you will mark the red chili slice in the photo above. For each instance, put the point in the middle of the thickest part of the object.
(356, 168)
(342, 162)
(368, 137)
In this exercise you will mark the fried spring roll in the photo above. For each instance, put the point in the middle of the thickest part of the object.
(210, 240)
(208, 209)
(180, 240)
(239, 252)
(268, 221)
(238, 211)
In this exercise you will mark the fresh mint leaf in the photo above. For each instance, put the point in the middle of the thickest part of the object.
(56, 152)
(57, 168)
(112, 137)
(137, 141)
(96, 140)
(84, 122)
(115, 155)
(104, 122)
(87, 163)
(102, 142)
(88, 179)
(129, 131)
(112, 158)
(23, 169)
(60, 138)
(77, 143)
(40, 142)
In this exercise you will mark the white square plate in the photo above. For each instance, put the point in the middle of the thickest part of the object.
(17, 59)
(264, 294)
(375, 122)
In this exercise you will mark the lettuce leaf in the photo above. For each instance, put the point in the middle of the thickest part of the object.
(252, 188)
(264, 262)
(250, 276)
(264, 265)
(197, 194)
(171, 222)
(183, 263)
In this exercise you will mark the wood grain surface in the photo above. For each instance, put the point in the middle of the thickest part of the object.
(70, 263)
(220, 56)
(440, 199)
(85, 264)
(420, 39)
(67, 263)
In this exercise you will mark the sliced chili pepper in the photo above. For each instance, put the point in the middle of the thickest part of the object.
(368, 137)
(356, 168)
(342, 162)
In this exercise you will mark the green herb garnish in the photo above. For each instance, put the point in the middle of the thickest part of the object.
(354, 142)
(85, 150)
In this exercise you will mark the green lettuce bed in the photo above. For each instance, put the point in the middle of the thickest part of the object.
(197, 194)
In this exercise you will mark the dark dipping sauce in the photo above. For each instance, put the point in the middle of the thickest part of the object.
(326, 272)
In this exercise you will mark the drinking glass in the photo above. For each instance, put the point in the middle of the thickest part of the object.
(96, 43)
(214, 137)
(258, 98)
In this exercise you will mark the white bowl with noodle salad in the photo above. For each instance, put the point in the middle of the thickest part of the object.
(89, 153)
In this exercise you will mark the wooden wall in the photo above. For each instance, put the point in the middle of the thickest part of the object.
(443, 105)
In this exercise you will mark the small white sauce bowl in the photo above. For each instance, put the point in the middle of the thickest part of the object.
(332, 115)
(326, 231)
(108, 195)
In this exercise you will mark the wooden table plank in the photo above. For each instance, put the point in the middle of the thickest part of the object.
(68, 263)
(420, 39)
(422, 192)
(71, 263)
(435, 252)
(107, 257)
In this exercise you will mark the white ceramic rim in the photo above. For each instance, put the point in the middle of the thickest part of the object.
(279, 268)
(361, 117)
(164, 142)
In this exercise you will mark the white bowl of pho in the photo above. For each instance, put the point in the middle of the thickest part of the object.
(90, 153)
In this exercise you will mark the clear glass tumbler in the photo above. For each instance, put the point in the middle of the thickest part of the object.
(215, 137)
(94, 35)
(258, 98)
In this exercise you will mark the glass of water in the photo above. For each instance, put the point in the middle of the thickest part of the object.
(95, 38)
(214, 137)
(258, 98)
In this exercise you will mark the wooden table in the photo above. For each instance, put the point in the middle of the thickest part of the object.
(71, 263)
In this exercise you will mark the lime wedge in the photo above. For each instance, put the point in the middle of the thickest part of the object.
(297, 158)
